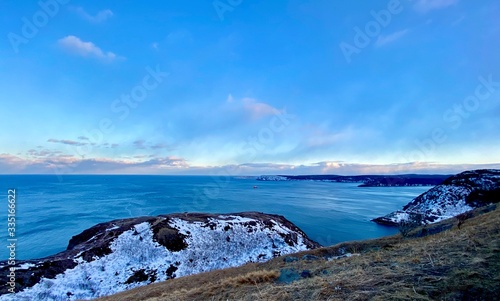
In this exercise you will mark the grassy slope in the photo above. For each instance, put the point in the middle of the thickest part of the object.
(456, 264)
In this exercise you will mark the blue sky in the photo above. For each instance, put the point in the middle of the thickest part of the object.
(249, 87)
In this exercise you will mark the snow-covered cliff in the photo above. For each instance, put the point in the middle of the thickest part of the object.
(457, 194)
(122, 254)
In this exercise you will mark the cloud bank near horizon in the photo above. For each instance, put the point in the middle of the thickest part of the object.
(45, 162)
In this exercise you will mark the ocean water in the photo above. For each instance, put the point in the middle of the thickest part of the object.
(51, 209)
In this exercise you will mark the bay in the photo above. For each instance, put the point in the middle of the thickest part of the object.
(51, 209)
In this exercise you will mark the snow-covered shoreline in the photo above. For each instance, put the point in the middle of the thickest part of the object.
(144, 253)
(456, 195)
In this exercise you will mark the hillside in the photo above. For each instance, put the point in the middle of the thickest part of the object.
(456, 195)
(455, 263)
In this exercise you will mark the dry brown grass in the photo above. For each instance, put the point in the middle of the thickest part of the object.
(456, 264)
(255, 277)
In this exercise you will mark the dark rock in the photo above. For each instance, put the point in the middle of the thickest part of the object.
(288, 276)
(96, 252)
(138, 276)
(102, 233)
(305, 274)
(387, 220)
(290, 259)
(28, 277)
(310, 257)
(170, 271)
(169, 237)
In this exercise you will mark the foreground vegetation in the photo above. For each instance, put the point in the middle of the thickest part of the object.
(457, 259)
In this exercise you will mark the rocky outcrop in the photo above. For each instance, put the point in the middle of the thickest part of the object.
(457, 194)
(122, 254)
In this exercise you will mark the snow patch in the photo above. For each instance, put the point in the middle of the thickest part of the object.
(112, 228)
(25, 266)
(346, 255)
(272, 178)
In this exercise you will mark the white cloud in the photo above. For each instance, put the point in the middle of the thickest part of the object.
(386, 39)
(258, 110)
(79, 47)
(101, 16)
(424, 6)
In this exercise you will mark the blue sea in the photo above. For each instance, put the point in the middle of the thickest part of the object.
(51, 209)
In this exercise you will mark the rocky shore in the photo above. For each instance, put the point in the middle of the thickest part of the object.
(456, 195)
(121, 254)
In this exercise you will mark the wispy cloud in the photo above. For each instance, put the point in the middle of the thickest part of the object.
(387, 39)
(143, 144)
(101, 16)
(106, 145)
(86, 49)
(160, 146)
(139, 144)
(258, 110)
(82, 142)
(68, 142)
(424, 6)
(43, 153)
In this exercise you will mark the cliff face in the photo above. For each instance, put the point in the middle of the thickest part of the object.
(122, 254)
(457, 194)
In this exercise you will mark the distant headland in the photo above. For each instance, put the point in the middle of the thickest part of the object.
(365, 180)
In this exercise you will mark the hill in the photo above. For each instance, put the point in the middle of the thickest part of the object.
(442, 261)
(456, 195)
(122, 254)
